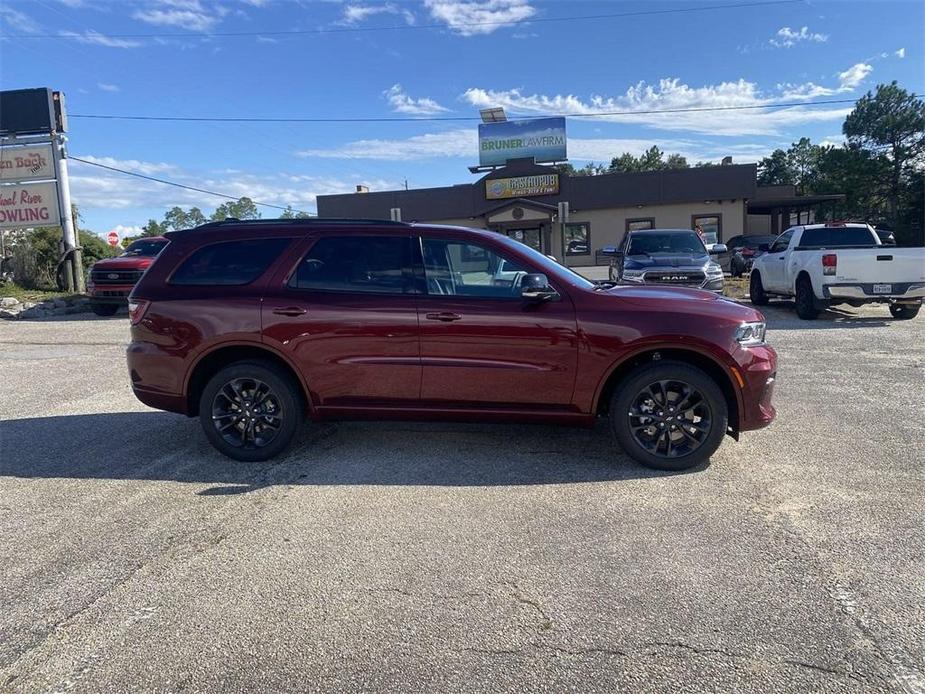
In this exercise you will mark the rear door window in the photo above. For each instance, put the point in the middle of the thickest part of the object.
(229, 263)
(357, 264)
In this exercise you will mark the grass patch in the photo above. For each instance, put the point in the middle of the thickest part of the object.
(736, 287)
(33, 295)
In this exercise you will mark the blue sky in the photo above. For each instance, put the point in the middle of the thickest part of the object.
(450, 58)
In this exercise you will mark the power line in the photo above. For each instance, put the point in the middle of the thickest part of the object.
(176, 185)
(411, 119)
(406, 27)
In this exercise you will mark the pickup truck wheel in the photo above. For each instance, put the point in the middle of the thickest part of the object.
(805, 301)
(669, 416)
(251, 410)
(104, 309)
(905, 311)
(756, 290)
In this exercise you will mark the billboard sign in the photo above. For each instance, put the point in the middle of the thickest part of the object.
(540, 138)
(26, 163)
(521, 187)
(29, 205)
(24, 111)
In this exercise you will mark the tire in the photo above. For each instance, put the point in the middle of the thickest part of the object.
(104, 309)
(248, 432)
(756, 290)
(904, 311)
(805, 301)
(651, 387)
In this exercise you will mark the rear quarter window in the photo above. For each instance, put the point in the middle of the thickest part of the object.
(228, 263)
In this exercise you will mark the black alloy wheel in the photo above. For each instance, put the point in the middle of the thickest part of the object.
(669, 415)
(251, 410)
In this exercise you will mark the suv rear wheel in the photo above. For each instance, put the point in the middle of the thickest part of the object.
(669, 416)
(251, 410)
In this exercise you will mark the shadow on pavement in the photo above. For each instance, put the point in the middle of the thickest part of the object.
(782, 315)
(159, 446)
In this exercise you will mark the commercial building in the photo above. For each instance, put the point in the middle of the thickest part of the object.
(521, 199)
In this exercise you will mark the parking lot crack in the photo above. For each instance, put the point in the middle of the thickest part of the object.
(518, 595)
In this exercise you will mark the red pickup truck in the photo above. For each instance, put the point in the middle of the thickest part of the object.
(253, 325)
(112, 279)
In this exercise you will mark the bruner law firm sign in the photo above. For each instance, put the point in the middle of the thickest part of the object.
(29, 205)
(28, 163)
(521, 186)
(540, 138)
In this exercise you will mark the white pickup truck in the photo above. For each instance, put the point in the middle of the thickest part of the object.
(823, 264)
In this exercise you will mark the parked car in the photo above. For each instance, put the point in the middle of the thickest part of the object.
(666, 256)
(112, 279)
(821, 264)
(251, 325)
(741, 253)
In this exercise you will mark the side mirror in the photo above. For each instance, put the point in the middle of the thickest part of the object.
(719, 248)
(764, 247)
(535, 287)
(608, 250)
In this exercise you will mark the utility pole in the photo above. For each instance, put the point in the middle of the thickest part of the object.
(73, 263)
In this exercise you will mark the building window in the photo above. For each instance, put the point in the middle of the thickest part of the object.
(578, 238)
(711, 225)
(640, 224)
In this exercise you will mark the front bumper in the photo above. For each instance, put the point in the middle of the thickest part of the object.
(757, 377)
(109, 293)
(865, 291)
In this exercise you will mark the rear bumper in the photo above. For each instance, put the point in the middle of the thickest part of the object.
(153, 373)
(865, 292)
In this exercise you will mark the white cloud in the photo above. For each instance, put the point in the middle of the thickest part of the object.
(463, 144)
(637, 104)
(186, 14)
(901, 53)
(95, 38)
(853, 76)
(402, 103)
(472, 17)
(126, 230)
(14, 19)
(93, 188)
(106, 87)
(354, 14)
(787, 37)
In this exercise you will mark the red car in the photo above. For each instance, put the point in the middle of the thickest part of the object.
(254, 325)
(112, 279)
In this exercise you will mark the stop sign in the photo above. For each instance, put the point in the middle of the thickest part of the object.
(113, 238)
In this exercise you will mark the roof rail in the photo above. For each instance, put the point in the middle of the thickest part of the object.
(310, 221)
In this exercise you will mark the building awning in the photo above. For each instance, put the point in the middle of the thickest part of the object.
(791, 202)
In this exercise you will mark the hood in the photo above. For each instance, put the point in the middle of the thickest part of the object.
(139, 262)
(683, 300)
(644, 262)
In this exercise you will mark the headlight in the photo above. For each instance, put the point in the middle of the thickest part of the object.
(714, 270)
(750, 334)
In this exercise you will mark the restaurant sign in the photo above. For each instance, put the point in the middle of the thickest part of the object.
(26, 163)
(521, 186)
(29, 205)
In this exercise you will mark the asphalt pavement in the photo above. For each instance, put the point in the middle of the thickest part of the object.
(422, 557)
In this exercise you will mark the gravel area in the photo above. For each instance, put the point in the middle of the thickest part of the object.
(421, 557)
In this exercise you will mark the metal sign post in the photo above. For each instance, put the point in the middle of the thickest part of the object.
(73, 263)
(563, 218)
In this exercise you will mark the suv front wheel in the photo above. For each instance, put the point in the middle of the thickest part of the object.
(251, 410)
(669, 416)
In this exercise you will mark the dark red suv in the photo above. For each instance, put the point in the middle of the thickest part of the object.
(254, 325)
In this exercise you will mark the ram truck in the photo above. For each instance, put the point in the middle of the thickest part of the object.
(823, 264)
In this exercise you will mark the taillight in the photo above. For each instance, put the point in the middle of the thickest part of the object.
(829, 264)
(136, 310)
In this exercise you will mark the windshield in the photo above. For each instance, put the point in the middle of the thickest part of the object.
(144, 247)
(676, 242)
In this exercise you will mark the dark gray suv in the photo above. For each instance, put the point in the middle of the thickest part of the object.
(666, 256)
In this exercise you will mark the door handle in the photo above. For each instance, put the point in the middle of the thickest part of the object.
(444, 316)
(289, 311)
